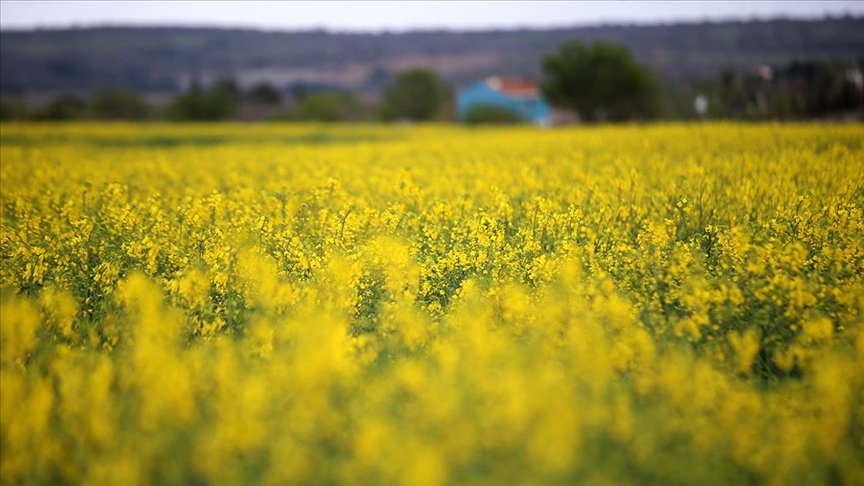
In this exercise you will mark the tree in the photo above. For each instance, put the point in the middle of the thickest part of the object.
(118, 104)
(12, 110)
(265, 94)
(327, 107)
(227, 86)
(600, 81)
(491, 114)
(63, 107)
(218, 103)
(416, 94)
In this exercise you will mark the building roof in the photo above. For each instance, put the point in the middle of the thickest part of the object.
(523, 88)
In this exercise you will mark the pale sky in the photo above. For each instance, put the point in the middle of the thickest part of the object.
(398, 16)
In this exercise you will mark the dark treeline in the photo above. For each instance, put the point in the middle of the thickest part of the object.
(763, 69)
(225, 100)
(801, 89)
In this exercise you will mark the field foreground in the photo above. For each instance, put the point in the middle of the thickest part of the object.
(429, 305)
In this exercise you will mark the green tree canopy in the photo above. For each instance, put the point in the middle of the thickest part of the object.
(264, 93)
(491, 114)
(416, 94)
(63, 107)
(196, 104)
(12, 110)
(118, 104)
(600, 81)
(327, 107)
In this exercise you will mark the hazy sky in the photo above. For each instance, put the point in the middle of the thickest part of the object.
(396, 16)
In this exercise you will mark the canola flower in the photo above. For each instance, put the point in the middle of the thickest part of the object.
(431, 305)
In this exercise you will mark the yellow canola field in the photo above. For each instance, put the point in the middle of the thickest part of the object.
(233, 304)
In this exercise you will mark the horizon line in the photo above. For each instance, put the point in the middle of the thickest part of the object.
(429, 29)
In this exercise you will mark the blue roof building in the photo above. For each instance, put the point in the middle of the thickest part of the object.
(517, 95)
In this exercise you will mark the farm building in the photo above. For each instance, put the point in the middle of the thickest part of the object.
(520, 96)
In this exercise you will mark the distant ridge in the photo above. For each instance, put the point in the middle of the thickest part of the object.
(164, 59)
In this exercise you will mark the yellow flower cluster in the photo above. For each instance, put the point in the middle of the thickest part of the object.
(235, 304)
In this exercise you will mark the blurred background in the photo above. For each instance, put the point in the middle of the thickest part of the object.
(471, 62)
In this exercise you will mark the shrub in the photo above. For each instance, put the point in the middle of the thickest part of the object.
(492, 115)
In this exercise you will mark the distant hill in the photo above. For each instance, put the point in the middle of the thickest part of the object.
(163, 60)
